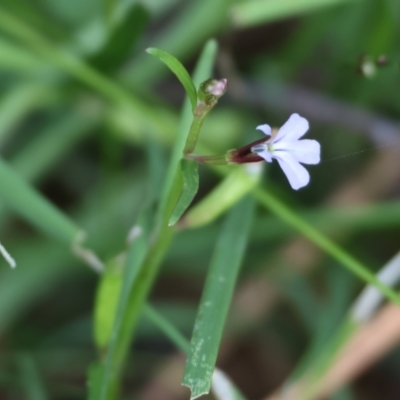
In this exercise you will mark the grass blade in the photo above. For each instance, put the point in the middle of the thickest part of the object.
(84, 73)
(345, 259)
(256, 12)
(216, 298)
(122, 327)
(29, 203)
(240, 181)
(179, 70)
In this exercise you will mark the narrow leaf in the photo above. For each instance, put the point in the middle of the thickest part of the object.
(257, 12)
(30, 204)
(228, 192)
(190, 177)
(202, 70)
(323, 242)
(123, 319)
(216, 299)
(179, 70)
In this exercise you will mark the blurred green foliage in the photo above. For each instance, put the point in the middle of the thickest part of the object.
(89, 120)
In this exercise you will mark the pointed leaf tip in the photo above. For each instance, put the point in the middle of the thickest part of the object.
(179, 70)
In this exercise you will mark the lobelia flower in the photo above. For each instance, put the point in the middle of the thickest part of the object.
(289, 151)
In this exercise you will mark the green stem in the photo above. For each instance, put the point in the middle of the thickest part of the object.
(208, 160)
(194, 132)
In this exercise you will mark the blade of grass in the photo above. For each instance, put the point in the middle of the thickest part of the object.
(53, 143)
(18, 59)
(230, 190)
(124, 319)
(180, 72)
(345, 259)
(30, 204)
(222, 387)
(360, 218)
(81, 71)
(216, 298)
(249, 13)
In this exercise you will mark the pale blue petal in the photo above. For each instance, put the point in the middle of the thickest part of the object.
(296, 174)
(266, 129)
(266, 155)
(294, 128)
(306, 151)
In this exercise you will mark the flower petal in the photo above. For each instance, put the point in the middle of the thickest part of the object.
(306, 151)
(266, 155)
(297, 175)
(266, 129)
(294, 128)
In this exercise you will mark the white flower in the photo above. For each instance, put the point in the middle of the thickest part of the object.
(289, 151)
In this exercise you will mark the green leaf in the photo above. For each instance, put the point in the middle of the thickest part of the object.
(323, 242)
(30, 204)
(179, 70)
(216, 298)
(122, 330)
(257, 12)
(154, 119)
(229, 191)
(190, 177)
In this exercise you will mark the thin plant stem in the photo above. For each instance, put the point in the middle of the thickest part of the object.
(324, 243)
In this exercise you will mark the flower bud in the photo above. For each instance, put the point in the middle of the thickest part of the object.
(212, 89)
